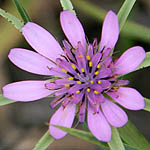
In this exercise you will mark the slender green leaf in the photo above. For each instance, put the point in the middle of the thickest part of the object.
(129, 29)
(14, 20)
(147, 104)
(84, 135)
(131, 135)
(146, 62)
(115, 142)
(124, 12)
(44, 142)
(5, 101)
(67, 5)
(22, 11)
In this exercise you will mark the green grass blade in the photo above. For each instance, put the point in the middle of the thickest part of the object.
(124, 12)
(131, 135)
(44, 142)
(115, 142)
(14, 20)
(5, 101)
(67, 5)
(22, 11)
(147, 104)
(84, 135)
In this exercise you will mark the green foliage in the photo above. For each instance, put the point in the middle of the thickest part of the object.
(67, 5)
(22, 11)
(147, 104)
(44, 142)
(5, 101)
(115, 142)
(14, 20)
(84, 135)
(124, 12)
(132, 136)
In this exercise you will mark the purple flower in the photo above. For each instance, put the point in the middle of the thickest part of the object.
(84, 72)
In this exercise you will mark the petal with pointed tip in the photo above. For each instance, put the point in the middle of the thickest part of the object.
(114, 114)
(110, 31)
(62, 117)
(42, 41)
(30, 61)
(98, 125)
(72, 28)
(25, 91)
(129, 60)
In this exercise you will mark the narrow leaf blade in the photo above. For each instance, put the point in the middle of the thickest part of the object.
(5, 101)
(22, 12)
(115, 142)
(14, 20)
(147, 104)
(67, 5)
(44, 142)
(124, 12)
(131, 135)
(83, 135)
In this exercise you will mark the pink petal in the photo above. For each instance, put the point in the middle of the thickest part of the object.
(26, 91)
(114, 114)
(129, 98)
(72, 28)
(129, 60)
(42, 41)
(110, 31)
(62, 117)
(98, 125)
(30, 61)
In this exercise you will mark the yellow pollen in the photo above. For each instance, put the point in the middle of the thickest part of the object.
(73, 66)
(71, 78)
(80, 56)
(88, 57)
(77, 92)
(99, 82)
(65, 71)
(88, 89)
(115, 89)
(91, 81)
(67, 85)
(90, 64)
(96, 92)
(82, 69)
(78, 82)
(96, 73)
(98, 66)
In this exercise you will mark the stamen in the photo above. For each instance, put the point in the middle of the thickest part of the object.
(71, 78)
(91, 81)
(77, 92)
(98, 66)
(88, 57)
(82, 69)
(90, 64)
(65, 71)
(96, 73)
(99, 81)
(67, 85)
(79, 82)
(88, 89)
(74, 67)
(80, 56)
(96, 92)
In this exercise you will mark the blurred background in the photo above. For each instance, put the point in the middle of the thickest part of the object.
(22, 124)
